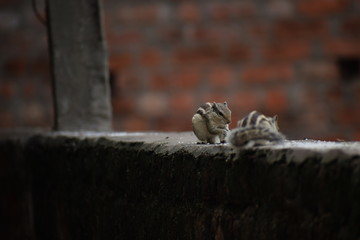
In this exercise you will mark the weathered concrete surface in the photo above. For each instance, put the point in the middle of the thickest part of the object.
(165, 186)
(79, 65)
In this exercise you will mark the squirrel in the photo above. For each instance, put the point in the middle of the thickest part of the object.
(254, 130)
(211, 121)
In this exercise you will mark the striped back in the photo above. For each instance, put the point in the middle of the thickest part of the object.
(259, 120)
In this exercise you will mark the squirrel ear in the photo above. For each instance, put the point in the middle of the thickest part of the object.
(275, 118)
(214, 105)
(225, 103)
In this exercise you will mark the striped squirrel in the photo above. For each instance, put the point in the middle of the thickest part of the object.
(255, 130)
(211, 121)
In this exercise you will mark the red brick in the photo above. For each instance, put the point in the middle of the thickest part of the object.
(143, 13)
(343, 47)
(152, 105)
(322, 8)
(16, 66)
(126, 81)
(244, 9)
(120, 61)
(170, 34)
(258, 30)
(134, 123)
(276, 101)
(333, 137)
(7, 89)
(173, 123)
(29, 90)
(189, 12)
(21, 39)
(197, 55)
(314, 71)
(40, 66)
(125, 37)
(160, 81)
(147, 13)
(235, 117)
(296, 29)
(220, 11)
(314, 120)
(182, 103)
(280, 8)
(348, 116)
(213, 34)
(185, 78)
(221, 77)
(314, 106)
(108, 19)
(179, 78)
(215, 96)
(116, 124)
(351, 26)
(356, 136)
(237, 52)
(309, 97)
(123, 105)
(7, 120)
(151, 57)
(46, 90)
(246, 101)
(286, 51)
(242, 103)
(3, 3)
(268, 73)
(335, 95)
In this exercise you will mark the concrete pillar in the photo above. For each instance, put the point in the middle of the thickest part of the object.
(79, 65)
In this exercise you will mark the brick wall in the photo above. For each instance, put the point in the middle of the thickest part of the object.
(25, 90)
(297, 59)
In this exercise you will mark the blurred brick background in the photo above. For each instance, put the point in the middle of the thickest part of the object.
(297, 59)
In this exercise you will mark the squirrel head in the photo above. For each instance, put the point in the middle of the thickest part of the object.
(222, 112)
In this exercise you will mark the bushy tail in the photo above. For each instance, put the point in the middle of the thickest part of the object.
(254, 136)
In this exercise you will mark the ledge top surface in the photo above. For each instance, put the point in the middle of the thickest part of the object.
(186, 141)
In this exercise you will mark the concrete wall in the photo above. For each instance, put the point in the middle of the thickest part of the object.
(165, 186)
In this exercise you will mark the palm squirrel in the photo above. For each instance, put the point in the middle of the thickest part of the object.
(255, 129)
(211, 121)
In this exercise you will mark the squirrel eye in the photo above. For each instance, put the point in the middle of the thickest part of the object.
(221, 114)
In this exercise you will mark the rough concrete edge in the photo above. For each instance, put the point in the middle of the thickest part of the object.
(168, 143)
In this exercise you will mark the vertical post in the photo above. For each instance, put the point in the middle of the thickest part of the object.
(79, 65)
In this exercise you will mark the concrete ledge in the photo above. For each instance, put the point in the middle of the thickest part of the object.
(165, 186)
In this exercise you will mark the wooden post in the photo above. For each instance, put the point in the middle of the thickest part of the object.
(79, 65)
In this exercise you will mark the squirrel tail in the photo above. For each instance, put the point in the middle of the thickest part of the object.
(254, 136)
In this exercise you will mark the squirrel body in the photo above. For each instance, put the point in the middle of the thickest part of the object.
(211, 121)
(256, 129)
